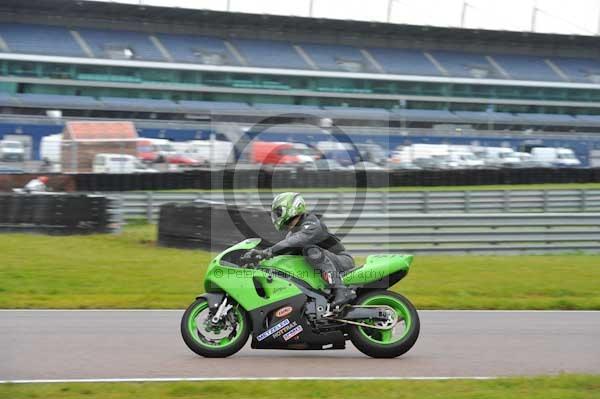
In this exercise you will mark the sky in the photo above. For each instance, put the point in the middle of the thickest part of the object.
(552, 16)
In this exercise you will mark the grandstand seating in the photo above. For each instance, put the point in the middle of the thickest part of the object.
(196, 49)
(39, 39)
(404, 61)
(207, 106)
(272, 54)
(425, 115)
(56, 100)
(334, 57)
(226, 107)
(578, 69)
(459, 63)
(139, 104)
(525, 67)
(104, 43)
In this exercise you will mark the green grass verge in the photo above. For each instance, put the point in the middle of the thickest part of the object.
(130, 271)
(564, 386)
(557, 186)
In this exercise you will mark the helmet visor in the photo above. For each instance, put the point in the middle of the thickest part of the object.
(276, 216)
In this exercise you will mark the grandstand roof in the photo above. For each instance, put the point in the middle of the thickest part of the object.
(100, 130)
(56, 11)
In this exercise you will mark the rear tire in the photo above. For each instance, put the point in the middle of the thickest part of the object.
(376, 344)
(202, 346)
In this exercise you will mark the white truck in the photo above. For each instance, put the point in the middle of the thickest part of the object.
(12, 151)
(50, 151)
(214, 152)
(555, 156)
(119, 163)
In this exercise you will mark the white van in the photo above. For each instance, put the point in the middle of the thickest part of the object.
(466, 160)
(501, 156)
(119, 163)
(12, 150)
(555, 156)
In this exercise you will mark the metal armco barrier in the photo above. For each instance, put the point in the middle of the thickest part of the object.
(146, 204)
(508, 233)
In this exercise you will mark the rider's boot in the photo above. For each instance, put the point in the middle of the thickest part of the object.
(341, 296)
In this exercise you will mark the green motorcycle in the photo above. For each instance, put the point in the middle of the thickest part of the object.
(283, 303)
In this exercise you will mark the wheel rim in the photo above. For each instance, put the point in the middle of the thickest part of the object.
(199, 329)
(395, 333)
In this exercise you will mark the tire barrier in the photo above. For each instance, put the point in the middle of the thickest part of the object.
(54, 213)
(212, 226)
(205, 179)
(267, 179)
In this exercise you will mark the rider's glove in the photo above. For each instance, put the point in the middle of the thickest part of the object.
(259, 254)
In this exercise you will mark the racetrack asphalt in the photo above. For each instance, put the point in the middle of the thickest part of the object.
(106, 344)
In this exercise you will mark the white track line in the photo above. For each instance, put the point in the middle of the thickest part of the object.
(208, 379)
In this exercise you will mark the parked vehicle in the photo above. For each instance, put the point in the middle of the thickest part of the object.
(372, 153)
(501, 157)
(555, 156)
(276, 153)
(214, 152)
(282, 303)
(50, 152)
(6, 170)
(12, 151)
(466, 160)
(119, 163)
(366, 166)
(325, 164)
(183, 160)
(154, 150)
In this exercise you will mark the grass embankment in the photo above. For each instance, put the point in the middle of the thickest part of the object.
(550, 186)
(130, 271)
(565, 386)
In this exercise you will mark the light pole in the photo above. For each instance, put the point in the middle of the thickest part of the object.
(463, 14)
(310, 8)
(534, 15)
(390, 9)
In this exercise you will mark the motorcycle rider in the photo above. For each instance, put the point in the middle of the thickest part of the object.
(309, 236)
(37, 185)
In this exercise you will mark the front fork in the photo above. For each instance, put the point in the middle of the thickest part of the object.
(222, 310)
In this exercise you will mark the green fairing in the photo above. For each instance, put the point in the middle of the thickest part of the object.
(296, 266)
(239, 282)
(378, 267)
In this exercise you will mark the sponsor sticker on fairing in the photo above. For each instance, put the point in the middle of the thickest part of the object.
(284, 311)
(292, 333)
(273, 329)
(284, 330)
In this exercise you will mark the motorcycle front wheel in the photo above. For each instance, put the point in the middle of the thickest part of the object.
(214, 340)
(392, 342)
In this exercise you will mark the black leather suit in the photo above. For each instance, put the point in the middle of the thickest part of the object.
(322, 250)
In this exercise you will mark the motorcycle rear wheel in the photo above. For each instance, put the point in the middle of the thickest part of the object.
(194, 330)
(387, 343)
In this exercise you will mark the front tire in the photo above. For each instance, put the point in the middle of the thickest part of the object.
(387, 343)
(196, 334)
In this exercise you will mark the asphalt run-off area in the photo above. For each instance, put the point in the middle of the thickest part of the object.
(146, 345)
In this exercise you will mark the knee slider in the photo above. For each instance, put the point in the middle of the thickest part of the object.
(313, 253)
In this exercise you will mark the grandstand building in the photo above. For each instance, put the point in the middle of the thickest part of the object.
(178, 73)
